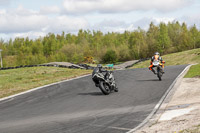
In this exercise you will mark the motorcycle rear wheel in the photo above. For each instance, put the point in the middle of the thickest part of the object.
(104, 88)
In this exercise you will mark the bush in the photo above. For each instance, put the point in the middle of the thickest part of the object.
(110, 57)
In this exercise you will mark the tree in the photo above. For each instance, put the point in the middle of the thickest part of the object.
(110, 57)
(152, 36)
(104, 47)
(163, 38)
(174, 30)
(194, 36)
(184, 38)
(137, 44)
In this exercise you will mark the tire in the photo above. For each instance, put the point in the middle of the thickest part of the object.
(104, 88)
(159, 78)
(159, 74)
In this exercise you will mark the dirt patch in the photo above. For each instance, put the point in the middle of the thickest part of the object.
(181, 113)
(197, 76)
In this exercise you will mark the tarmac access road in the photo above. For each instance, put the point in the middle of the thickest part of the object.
(77, 106)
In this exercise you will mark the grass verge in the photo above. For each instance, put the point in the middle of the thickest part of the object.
(14, 81)
(194, 72)
(180, 58)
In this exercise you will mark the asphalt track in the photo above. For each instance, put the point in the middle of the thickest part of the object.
(77, 106)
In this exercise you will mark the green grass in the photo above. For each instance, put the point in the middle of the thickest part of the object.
(18, 80)
(193, 72)
(180, 58)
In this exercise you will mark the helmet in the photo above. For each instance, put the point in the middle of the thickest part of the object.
(156, 53)
(99, 66)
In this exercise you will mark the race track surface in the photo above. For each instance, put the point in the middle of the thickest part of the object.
(77, 106)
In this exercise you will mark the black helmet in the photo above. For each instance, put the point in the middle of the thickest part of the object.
(156, 53)
(99, 66)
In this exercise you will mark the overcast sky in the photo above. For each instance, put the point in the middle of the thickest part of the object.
(34, 18)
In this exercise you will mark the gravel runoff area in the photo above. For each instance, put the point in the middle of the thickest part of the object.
(180, 112)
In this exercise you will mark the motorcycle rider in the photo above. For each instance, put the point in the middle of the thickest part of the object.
(99, 69)
(156, 57)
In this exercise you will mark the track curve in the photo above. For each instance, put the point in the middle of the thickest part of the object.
(77, 106)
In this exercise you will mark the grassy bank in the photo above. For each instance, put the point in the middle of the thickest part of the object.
(185, 57)
(18, 80)
(194, 72)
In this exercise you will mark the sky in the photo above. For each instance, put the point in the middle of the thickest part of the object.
(36, 18)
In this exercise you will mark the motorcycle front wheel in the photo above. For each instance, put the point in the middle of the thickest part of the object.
(104, 88)
(159, 73)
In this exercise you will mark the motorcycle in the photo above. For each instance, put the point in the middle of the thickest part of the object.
(159, 69)
(106, 82)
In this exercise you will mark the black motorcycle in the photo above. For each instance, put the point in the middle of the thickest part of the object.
(106, 82)
(159, 69)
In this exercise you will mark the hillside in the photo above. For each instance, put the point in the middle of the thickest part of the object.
(180, 58)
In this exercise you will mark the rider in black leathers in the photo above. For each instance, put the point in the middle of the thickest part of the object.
(99, 69)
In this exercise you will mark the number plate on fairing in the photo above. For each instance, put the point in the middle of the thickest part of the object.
(156, 63)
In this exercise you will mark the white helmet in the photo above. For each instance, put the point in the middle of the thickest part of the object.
(156, 53)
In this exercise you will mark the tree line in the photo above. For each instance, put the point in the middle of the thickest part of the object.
(110, 47)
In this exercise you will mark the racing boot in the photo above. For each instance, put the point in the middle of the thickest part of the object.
(116, 89)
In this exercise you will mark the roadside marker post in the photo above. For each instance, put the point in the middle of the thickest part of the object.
(1, 58)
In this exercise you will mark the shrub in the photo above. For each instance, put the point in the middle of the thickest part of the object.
(110, 57)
